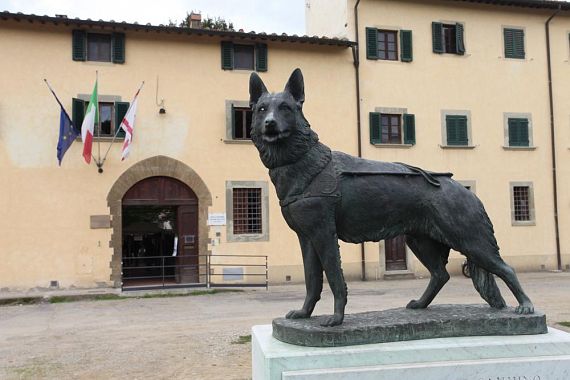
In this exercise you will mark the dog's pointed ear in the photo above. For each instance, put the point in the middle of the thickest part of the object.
(256, 88)
(295, 86)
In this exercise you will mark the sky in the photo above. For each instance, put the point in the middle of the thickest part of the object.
(270, 16)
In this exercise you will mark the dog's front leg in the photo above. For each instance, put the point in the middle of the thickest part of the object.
(313, 280)
(326, 244)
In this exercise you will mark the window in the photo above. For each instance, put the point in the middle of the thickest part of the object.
(518, 132)
(387, 45)
(448, 38)
(242, 123)
(98, 47)
(111, 113)
(391, 131)
(456, 129)
(238, 121)
(468, 184)
(387, 128)
(522, 203)
(247, 211)
(244, 57)
(514, 43)
(383, 45)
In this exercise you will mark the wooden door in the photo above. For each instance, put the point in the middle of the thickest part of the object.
(396, 253)
(188, 271)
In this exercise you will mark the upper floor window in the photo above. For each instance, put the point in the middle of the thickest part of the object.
(448, 38)
(456, 129)
(238, 121)
(383, 44)
(514, 43)
(244, 57)
(110, 116)
(98, 47)
(392, 128)
(242, 123)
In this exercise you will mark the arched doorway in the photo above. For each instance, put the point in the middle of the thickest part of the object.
(158, 166)
(160, 234)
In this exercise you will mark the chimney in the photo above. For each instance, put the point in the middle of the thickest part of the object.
(195, 20)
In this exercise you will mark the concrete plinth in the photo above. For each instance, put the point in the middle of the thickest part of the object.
(525, 357)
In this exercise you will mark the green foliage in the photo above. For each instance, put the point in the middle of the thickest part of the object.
(565, 324)
(214, 23)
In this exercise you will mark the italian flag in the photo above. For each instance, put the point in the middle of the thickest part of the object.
(88, 126)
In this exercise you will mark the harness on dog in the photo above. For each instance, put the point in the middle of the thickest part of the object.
(429, 176)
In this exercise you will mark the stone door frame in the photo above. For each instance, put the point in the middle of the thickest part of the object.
(153, 167)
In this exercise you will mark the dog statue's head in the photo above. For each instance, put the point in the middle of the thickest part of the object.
(279, 130)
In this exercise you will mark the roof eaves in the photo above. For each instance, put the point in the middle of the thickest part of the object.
(535, 4)
(76, 22)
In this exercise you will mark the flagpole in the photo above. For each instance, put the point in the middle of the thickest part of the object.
(98, 162)
(56, 98)
(119, 128)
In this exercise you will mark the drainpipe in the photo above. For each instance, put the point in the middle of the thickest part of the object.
(356, 58)
(552, 140)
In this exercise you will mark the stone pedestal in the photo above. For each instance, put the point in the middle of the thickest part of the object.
(523, 357)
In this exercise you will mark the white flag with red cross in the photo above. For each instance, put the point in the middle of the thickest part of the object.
(128, 125)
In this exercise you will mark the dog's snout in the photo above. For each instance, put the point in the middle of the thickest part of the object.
(270, 121)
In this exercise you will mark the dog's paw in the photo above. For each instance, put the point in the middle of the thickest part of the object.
(524, 309)
(297, 314)
(413, 304)
(333, 320)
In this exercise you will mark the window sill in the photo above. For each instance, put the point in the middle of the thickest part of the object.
(397, 146)
(528, 223)
(457, 146)
(519, 147)
(246, 142)
(247, 238)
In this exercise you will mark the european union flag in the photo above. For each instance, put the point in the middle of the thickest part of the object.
(67, 134)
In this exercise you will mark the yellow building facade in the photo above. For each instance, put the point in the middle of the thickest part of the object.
(191, 161)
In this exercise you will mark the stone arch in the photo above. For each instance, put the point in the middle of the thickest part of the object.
(152, 167)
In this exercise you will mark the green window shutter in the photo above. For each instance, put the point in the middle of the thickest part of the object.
(118, 43)
(78, 112)
(375, 128)
(456, 127)
(233, 120)
(514, 43)
(407, 53)
(518, 132)
(121, 109)
(227, 55)
(459, 40)
(371, 43)
(437, 37)
(78, 42)
(261, 57)
(409, 129)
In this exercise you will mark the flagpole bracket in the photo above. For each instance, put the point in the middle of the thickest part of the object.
(99, 167)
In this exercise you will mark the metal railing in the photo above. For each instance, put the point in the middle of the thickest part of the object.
(154, 272)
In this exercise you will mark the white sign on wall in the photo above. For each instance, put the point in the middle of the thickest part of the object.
(217, 219)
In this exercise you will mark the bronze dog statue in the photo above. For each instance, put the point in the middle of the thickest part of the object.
(328, 195)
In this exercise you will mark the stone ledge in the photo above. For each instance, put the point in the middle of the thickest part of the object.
(401, 324)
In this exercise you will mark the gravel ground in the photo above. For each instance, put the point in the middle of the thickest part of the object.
(198, 337)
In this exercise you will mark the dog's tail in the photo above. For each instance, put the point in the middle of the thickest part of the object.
(486, 285)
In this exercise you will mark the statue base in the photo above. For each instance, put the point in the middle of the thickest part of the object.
(437, 321)
(530, 357)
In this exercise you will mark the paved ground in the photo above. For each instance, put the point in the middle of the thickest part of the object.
(196, 337)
